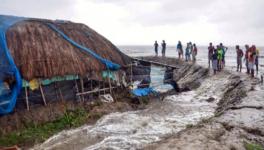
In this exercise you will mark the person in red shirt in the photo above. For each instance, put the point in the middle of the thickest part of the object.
(240, 55)
(251, 59)
(246, 58)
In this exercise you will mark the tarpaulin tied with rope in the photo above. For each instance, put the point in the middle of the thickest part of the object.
(10, 78)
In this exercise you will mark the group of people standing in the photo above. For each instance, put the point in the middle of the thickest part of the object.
(191, 50)
(251, 58)
(163, 48)
(216, 57)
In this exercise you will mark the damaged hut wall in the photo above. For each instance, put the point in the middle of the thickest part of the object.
(78, 89)
(144, 74)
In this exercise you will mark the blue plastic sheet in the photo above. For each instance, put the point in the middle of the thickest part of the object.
(9, 69)
(143, 91)
(109, 65)
(7, 66)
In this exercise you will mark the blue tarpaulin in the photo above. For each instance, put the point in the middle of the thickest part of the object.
(9, 69)
(7, 66)
(110, 65)
(143, 91)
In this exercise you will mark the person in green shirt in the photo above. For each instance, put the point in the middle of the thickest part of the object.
(220, 57)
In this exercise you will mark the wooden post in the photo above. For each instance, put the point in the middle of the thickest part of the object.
(109, 82)
(27, 102)
(77, 88)
(42, 94)
(104, 86)
(131, 74)
(91, 88)
(56, 90)
(99, 93)
(82, 88)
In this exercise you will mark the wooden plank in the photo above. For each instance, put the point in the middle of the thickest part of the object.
(82, 88)
(42, 94)
(27, 102)
(156, 63)
(94, 91)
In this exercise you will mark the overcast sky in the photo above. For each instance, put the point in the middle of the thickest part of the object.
(140, 22)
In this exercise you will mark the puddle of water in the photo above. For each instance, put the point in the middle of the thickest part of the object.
(136, 129)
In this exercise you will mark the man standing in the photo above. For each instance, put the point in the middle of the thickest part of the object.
(187, 52)
(252, 59)
(246, 57)
(224, 49)
(210, 53)
(156, 47)
(194, 52)
(180, 50)
(163, 44)
(240, 55)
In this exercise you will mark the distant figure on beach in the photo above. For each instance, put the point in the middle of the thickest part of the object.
(156, 48)
(215, 61)
(261, 79)
(219, 58)
(246, 58)
(194, 52)
(252, 59)
(187, 52)
(210, 53)
(257, 60)
(240, 55)
(163, 45)
(180, 50)
(224, 49)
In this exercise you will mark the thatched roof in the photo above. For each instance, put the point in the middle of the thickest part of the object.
(39, 52)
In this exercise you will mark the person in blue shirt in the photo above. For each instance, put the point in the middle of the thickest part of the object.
(188, 52)
(180, 50)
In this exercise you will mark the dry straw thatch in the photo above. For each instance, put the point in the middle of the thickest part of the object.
(39, 52)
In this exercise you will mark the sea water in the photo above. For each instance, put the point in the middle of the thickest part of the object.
(202, 56)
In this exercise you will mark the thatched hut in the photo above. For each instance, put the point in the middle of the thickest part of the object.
(43, 55)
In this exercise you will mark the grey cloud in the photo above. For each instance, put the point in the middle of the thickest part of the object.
(52, 9)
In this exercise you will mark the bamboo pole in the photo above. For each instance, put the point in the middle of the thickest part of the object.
(56, 90)
(99, 93)
(131, 74)
(94, 91)
(42, 94)
(109, 82)
(77, 88)
(104, 86)
(27, 102)
(82, 88)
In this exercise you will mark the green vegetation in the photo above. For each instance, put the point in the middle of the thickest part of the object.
(251, 146)
(189, 126)
(38, 133)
